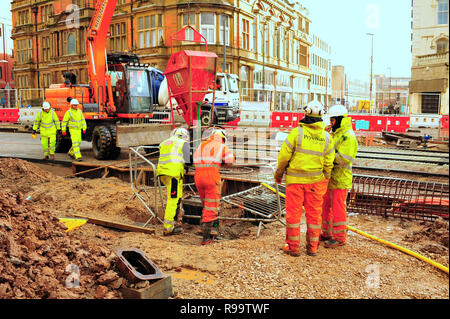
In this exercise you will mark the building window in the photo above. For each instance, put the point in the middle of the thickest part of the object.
(443, 12)
(224, 21)
(118, 38)
(23, 17)
(276, 44)
(303, 55)
(245, 34)
(208, 27)
(45, 49)
(24, 51)
(69, 43)
(286, 46)
(150, 31)
(244, 80)
(441, 45)
(255, 35)
(189, 19)
(46, 13)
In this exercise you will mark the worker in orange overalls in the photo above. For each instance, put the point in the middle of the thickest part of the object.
(334, 212)
(208, 158)
(306, 157)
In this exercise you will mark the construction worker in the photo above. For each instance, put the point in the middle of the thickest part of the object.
(174, 154)
(208, 158)
(334, 213)
(48, 123)
(74, 119)
(306, 157)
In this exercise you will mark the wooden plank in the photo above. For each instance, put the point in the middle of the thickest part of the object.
(117, 225)
(160, 289)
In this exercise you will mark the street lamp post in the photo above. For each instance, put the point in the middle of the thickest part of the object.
(371, 68)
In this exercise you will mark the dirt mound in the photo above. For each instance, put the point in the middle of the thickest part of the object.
(20, 176)
(432, 236)
(38, 259)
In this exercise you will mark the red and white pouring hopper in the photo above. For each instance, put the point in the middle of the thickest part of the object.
(189, 74)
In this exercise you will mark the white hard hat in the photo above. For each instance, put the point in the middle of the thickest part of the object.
(181, 132)
(337, 110)
(46, 105)
(74, 102)
(314, 108)
(221, 133)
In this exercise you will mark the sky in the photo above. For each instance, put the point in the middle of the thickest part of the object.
(344, 24)
(5, 18)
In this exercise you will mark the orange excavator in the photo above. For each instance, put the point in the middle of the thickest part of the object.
(120, 90)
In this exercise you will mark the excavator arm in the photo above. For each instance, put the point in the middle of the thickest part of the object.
(97, 35)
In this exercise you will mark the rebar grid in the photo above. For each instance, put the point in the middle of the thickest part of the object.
(393, 197)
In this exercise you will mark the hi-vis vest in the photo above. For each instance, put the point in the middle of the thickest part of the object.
(171, 161)
(73, 119)
(47, 123)
(307, 154)
(346, 147)
(211, 153)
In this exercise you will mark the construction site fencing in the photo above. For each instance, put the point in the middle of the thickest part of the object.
(8, 98)
(392, 197)
(143, 180)
(31, 97)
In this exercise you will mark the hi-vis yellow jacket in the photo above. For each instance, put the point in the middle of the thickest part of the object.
(47, 123)
(74, 119)
(346, 147)
(306, 155)
(171, 161)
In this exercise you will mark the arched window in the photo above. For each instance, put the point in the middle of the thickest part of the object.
(71, 45)
(442, 45)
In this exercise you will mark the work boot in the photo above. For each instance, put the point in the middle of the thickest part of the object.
(45, 157)
(78, 159)
(52, 157)
(325, 238)
(311, 253)
(174, 231)
(206, 230)
(333, 243)
(291, 252)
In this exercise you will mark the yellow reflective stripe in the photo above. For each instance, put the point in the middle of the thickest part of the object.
(312, 226)
(340, 224)
(288, 144)
(216, 209)
(292, 173)
(207, 165)
(313, 239)
(210, 200)
(293, 238)
(292, 225)
(339, 231)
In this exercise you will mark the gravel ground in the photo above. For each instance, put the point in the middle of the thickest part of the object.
(248, 267)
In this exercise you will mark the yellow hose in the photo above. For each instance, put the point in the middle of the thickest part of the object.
(407, 251)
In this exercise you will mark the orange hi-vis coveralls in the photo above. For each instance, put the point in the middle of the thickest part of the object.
(306, 157)
(334, 210)
(208, 159)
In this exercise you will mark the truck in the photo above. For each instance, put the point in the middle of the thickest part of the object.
(121, 90)
(226, 103)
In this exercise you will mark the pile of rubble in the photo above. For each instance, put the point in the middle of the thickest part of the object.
(40, 260)
(433, 237)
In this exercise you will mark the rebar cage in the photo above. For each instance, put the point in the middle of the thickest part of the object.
(393, 197)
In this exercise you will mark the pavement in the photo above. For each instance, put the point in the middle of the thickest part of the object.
(23, 146)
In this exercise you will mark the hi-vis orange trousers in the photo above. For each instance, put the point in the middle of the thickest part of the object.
(208, 183)
(334, 214)
(310, 196)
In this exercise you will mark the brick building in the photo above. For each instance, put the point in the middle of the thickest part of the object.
(267, 42)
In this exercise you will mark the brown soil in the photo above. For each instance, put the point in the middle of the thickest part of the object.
(35, 250)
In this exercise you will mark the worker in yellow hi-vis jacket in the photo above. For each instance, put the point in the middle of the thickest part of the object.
(47, 123)
(74, 119)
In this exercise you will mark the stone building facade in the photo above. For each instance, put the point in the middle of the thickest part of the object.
(430, 57)
(266, 42)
